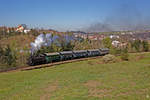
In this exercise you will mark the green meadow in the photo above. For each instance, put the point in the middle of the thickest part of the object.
(84, 80)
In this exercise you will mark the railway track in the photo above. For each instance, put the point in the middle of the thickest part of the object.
(55, 63)
(52, 64)
(26, 68)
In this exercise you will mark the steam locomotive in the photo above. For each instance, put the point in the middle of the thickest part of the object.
(65, 55)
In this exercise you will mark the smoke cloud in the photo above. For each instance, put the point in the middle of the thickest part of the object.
(42, 40)
(47, 40)
(126, 17)
(99, 27)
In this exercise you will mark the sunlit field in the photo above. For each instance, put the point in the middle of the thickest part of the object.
(85, 80)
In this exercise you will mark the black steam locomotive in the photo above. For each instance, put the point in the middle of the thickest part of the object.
(65, 55)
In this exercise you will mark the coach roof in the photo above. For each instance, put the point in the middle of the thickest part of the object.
(66, 52)
(50, 54)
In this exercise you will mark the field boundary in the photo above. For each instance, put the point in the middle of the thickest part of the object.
(57, 63)
(25, 68)
(63, 62)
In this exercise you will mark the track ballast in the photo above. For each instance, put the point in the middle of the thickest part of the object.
(57, 63)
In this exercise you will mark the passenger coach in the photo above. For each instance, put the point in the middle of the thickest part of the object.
(65, 55)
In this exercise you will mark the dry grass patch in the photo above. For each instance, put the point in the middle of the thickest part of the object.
(92, 84)
(139, 57)
(138, 92)
(90, 63)
(94, 91)
(48, 90)
(100, 93)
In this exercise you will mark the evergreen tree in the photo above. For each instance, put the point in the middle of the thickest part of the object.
(124, 54)
(10, 56)
(1, 54)
(136, 44)
(145, 46)
(107, 42)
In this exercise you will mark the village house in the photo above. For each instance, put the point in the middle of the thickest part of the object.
(115, 43)
(22, 28)
(119, 44)
(89, 36)
(114, 36)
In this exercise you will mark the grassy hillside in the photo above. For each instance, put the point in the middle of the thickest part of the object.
(19, 41)
(86, 80)
(20, 45)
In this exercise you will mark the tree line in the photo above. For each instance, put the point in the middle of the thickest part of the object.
(10, 57)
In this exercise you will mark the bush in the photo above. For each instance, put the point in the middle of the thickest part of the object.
(136, 45)
(1, 55)
(145, 46)
(10, 56)
(125, 55)
(109, 58)
(107, 42)
(115, 51)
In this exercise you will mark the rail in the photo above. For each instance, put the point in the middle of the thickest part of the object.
(56, 63)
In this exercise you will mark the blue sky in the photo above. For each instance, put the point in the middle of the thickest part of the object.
(65, 14)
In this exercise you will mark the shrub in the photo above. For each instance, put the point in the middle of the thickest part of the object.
(115, 51)
(145, 46)
(107, 42)
(109, 58)
(10, 56)
(136, 45)
(1, 51)
(1, 55)
(125, 55)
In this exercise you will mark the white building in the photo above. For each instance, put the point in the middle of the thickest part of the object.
(114, 36)
(115, 43)
(22, 28)
(26, 30)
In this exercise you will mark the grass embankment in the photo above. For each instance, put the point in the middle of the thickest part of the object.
(85, 80)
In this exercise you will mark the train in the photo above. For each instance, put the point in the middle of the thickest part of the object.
(46, 58)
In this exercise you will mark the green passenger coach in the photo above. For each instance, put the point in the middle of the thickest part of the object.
(65, 55)
(52, 57)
